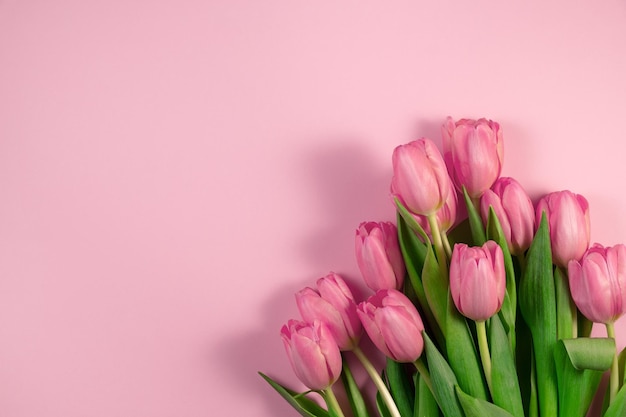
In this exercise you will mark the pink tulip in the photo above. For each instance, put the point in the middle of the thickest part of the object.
(473, 151)
(312, 352)
(477, 280)
(378, 255)
(334, 305)
(568, 219)
(446, 215)
(598, 283)
(393, 324)
(420, 179)
(514, 211)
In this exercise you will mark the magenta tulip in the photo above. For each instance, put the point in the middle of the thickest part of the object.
(598, 283)
(420, 179)
(514, 210)
(378, 255)
(312, 352)
(473, 151)
(477, 280)
(568, 219)
(393, 324)
(334, 305)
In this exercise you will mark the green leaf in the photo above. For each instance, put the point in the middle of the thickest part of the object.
(411, 222)
(618, 406)
(401, 387)
(580, 364)
(425, 403)
(590, 353)
(504, 382)
(443, 380)
(509, 306)
(359, 409)
(436, 288)
(383, 411)
(414, 253)
(475, 222)
(565, 307)
(305, 406)
(462, 355)
(473, 407)
(537, 305)
(413, 249)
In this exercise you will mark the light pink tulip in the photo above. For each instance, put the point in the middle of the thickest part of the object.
(312, 352)
(477, 280)
(393, 324)
(514, 210)
(446, 215)
(568, 219)
(334, 305)
(378, 255)
(473, 151)
(598, 283)
(420, 179)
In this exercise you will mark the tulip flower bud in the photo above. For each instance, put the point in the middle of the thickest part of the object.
(312, 352)
(333, 305)
(446, 215)
(473, 151)
(598, 283)
(420, 179)
(378, 255)
(477, 280)
(568, 220)
(514, 211)
(393, 324)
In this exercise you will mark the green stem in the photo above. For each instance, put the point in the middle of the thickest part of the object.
(446, 244)
(331, 401)
(483, 347)
(441, 253)
(380, 385)
(614, 381)
(421, 368)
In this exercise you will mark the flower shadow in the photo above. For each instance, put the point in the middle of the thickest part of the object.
(351, 185)
(259, 349)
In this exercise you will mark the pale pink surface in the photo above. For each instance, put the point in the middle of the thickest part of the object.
(171, 172)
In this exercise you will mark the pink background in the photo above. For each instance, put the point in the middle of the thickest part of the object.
(171, 172)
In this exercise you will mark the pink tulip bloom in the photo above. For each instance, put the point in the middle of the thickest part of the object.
(446, 215)
(473, 151)
(312, 352)
(568, 219)
(420, 179)
(514, 210)
(393, 324)
(334, 305)
(477, 280)
(378, 255)
(598, 283)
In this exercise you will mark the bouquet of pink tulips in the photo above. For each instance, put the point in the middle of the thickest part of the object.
(478, 317)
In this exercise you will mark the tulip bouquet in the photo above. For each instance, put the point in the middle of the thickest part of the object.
(490, 315)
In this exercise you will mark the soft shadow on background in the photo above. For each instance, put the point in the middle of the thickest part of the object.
(351, 185)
